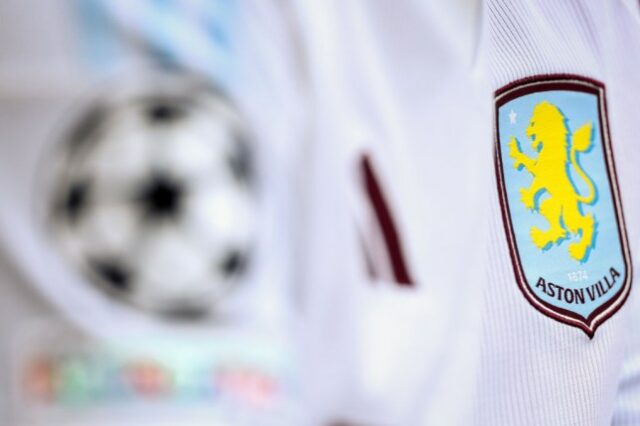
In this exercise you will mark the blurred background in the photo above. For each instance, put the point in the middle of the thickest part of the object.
(222, 212)
(144, 274)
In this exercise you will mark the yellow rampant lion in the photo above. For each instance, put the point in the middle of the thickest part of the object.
(551, 137)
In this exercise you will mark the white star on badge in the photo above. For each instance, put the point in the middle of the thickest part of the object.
(512, 117)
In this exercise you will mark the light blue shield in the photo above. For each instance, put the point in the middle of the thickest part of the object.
(560, 200)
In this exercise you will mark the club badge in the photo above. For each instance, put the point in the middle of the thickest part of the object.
(560, 199)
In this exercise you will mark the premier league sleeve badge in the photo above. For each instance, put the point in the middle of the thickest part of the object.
(560, 199)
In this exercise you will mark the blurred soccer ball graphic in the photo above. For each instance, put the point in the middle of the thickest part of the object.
(154, 200)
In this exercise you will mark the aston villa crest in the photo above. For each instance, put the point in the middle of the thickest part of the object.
(560, 199)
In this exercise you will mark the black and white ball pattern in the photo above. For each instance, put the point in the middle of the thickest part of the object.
(154, 200)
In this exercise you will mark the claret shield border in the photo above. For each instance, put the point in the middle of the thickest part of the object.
(570, 82)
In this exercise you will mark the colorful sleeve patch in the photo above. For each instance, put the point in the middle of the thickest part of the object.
(560, 199)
